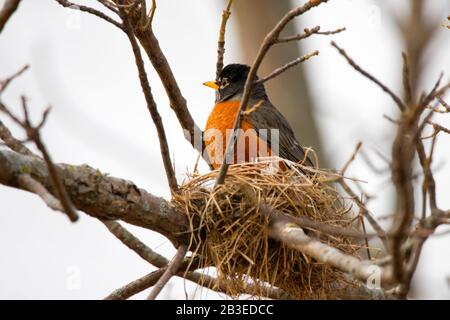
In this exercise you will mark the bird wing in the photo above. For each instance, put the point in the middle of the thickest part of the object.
(268, 117)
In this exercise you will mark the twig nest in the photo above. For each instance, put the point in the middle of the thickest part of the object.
(231, 234)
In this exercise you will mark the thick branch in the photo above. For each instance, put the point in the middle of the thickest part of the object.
(109, 198)
(99, 195)
(9, 7)
(294, 237)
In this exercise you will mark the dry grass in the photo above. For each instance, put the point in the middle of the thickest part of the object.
(233, 236)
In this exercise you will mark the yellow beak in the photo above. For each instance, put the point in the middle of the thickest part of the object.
(211, 84)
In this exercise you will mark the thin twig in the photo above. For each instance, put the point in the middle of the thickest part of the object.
(28, 183)
(34, 135)
(203, 280)
(4, 83)
(101, 15)
(192, 131)
(221, 42)
(362, 209)
(355, 66)
(406, 80)
(309, 32)
(169, 271)
(291, 64)
(351, 159)
(443, 103)
(294, 237)
(365, 212)
(9, 7)
(13, 143)
(110, 6)
(133, 243)
(151, 104)
(135, 286)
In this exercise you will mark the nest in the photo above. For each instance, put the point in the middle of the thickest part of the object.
(232, 235)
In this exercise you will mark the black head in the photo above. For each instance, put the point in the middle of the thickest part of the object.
(231, 82)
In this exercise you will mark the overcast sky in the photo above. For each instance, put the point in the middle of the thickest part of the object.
(85, 70)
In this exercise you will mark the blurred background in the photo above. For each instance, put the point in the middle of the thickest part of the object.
(85, 70)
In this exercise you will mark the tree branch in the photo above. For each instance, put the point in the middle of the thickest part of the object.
(101, 15)
(109, 198)
(294, 237)
(135, 286)
(309, 32)
(99, 195)
(169, 271)
(10, 141)
(221, 42)
(34, 135)
(355, 66)
(9, 7)
(177, 102)
(28, 183)
(291, 64)
(151, 104)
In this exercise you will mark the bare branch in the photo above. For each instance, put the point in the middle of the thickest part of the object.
(147, 18)
(406, 80)
(161, 262)
(352, 158)
(133, 243)
(294, 237)
(394, 97)
(177, 102)
(9, 7)
(34, 135)
(100, 196)
(169, 271)
(309, 32)
(10, 141)
(443, 104)
(221, 42)
(4, 83)
(364, 211)
(151, 104)
(291, 64)
(206, 281)
(101, 15)
(109, 5)
(136, 286)
(307, 223)
(28, 183)
(151, 46)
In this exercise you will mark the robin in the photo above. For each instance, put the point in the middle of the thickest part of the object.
(265, 131)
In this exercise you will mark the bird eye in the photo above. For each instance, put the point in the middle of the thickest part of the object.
(224, 83)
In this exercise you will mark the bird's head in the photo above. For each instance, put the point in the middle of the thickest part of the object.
(231, 81)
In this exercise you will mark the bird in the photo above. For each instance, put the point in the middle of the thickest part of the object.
(260, 114)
